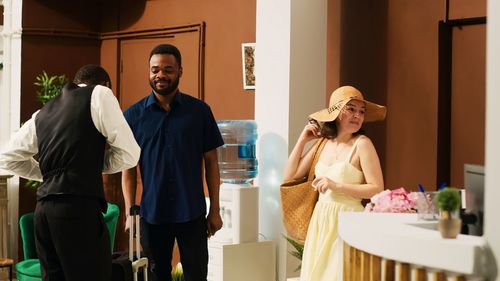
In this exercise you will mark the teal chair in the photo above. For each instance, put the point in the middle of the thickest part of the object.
(29, 268)
(111, 220)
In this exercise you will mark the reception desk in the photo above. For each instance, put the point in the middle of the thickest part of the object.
(385, 246)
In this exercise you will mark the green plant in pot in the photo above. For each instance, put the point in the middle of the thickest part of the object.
(298, 249)
(50, 87)
(448, 200)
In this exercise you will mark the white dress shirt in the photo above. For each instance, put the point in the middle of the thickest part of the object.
(123, 151)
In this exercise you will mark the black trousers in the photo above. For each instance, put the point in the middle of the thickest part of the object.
(72, 240)
(158, 242)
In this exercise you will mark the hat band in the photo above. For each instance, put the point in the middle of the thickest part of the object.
(340, 104)
(337, 106)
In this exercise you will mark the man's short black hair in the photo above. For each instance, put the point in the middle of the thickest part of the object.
(92, 74)
(167, 49)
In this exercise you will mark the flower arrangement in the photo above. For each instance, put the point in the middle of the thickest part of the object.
(393, 201)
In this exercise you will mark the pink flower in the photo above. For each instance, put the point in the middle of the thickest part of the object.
(393, 201)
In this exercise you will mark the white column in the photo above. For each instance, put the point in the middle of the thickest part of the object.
(10, 107)
(290, 64)
(492, 176)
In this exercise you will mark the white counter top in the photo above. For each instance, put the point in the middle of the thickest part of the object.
(401, 237)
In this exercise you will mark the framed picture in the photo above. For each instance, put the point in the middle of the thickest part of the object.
(248, 61)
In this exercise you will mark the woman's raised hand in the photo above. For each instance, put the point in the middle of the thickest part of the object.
(311, 131)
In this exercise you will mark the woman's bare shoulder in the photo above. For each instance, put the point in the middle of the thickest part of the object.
(365, 142)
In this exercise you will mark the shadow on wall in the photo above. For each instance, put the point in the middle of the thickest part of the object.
(272, 156)
(490, 263)
(111, 15)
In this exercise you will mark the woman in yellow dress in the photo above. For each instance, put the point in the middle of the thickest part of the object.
(348, 170)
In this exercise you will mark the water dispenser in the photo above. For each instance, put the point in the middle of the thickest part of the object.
(239, 199)
(235, 252)
(237, 161)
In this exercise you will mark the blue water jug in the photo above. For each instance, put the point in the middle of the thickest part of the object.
(237, 161)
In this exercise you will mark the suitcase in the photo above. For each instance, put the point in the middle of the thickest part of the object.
(121, 267)
(126, 265)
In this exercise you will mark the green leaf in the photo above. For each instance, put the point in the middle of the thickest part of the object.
(297, 255)
(448, 199)
(298, 249)
(50, 86)
(32, 184)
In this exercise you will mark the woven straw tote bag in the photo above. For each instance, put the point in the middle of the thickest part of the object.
(298, 199)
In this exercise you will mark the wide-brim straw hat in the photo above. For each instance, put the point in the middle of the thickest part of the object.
(340, 97)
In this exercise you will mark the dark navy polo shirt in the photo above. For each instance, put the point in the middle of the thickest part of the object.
(172, 146)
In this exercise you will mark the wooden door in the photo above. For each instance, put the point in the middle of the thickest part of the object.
(468, 100)
(134, 62)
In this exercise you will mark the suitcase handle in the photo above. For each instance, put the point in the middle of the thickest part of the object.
(134, 210)
(139, 262)
(134, 218)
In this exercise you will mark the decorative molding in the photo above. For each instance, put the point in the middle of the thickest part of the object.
(10, 95)
(12, 33)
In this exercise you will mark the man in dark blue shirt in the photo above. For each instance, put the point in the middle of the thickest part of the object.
(178, 137)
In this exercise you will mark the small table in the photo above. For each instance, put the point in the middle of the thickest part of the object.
(7, 263)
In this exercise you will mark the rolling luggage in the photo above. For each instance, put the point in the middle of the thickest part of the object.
(126, 266)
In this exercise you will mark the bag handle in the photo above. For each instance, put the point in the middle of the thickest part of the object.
(319, 147)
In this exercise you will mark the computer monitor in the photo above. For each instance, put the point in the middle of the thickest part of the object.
(474, 194)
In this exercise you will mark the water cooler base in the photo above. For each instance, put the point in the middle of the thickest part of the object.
(243, 262)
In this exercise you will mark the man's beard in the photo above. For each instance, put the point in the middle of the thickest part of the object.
(165, 91)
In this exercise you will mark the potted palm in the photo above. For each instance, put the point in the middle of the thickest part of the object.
(50, 86)
(449, 224)
(298, 249)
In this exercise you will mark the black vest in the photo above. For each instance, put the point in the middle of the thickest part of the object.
(71, 150)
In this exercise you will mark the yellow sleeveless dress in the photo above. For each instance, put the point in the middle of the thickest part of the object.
(320, 260)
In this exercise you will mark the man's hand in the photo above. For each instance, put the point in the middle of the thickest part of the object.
(214, 222)
(127, 223)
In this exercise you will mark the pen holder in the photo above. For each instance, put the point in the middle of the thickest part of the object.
(427, 208)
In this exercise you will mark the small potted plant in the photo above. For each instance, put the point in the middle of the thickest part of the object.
(448, 200)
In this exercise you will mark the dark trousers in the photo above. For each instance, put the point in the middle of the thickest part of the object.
(158, 242)
(72, 240)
